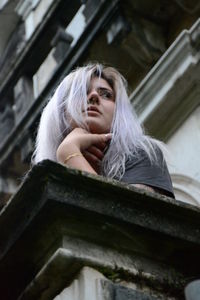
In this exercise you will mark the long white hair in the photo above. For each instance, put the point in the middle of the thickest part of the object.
(68, 102)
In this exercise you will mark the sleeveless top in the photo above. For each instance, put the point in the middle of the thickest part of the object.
(141, 170)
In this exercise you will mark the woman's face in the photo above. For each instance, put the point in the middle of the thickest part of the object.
(101, 105)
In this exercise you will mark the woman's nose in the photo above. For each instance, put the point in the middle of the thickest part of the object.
(93, 98)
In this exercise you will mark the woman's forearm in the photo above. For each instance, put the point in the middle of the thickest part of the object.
(80, 163)
(73, 158)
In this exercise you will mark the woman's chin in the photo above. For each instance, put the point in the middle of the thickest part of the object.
(94, 127)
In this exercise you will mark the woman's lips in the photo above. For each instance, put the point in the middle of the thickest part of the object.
(93, 113)
(93, 108)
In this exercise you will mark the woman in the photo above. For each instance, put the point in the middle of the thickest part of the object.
(89, 124)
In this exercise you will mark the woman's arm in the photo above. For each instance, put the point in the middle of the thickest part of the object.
(150, 189)
(144, 187)
(79, 145)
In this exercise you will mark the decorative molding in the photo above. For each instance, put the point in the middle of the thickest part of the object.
(163, 95)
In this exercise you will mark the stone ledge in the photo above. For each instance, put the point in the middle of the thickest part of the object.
(67, 262)
(154, 238)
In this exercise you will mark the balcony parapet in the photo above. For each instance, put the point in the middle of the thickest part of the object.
(61, 220)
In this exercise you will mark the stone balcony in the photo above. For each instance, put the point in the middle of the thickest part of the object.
(66, 231)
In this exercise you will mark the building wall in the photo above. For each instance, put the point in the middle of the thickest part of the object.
(184, 159)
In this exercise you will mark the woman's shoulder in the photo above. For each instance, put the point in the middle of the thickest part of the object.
(149, 156)
(141, 168)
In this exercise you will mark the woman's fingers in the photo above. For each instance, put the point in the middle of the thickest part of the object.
(101, 140)
(92, 158)
(84, 139)
(79, 139)
(96, 151)
(101, 145)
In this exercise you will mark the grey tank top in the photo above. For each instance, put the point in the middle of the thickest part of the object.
(141, 170)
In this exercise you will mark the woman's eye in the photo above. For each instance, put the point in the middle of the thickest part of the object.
(106, 94)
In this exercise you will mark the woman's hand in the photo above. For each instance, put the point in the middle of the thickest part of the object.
(89, 146)
(94, 155)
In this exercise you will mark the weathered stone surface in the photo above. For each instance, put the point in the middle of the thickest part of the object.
(151, 240)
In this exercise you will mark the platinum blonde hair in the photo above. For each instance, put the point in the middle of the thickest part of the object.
(68, 101)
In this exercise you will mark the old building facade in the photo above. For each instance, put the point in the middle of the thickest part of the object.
(154, 44)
